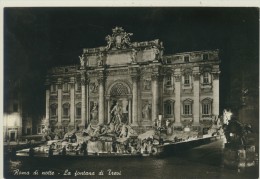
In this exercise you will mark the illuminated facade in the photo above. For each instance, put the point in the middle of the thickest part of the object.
(137, 80)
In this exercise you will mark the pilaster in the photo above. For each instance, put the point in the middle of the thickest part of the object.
(135, 74)
(177, 78)
(215, 110)
(83, 99)
(72, 102)
(101, 99)
(59, 103)
(156, 68)
(196, 97)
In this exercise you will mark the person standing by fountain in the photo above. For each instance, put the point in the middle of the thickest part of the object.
(50, 151)
(31, 152)
(84, 148)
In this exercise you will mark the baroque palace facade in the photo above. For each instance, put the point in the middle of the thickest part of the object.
(138, 81)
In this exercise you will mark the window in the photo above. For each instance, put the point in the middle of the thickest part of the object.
(186, 79)
(65, 87)
(205, 109)
(78, 110)
(206, 106)
(206, 78)
(187, 107)
(205, 56)
(53, 110)
(66, 110)
(186, 59)
(168, 81)
(168, 108)
(28, 131)
(39, 130)
(15, 107)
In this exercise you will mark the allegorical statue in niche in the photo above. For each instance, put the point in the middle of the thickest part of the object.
(82, 62)
(94, 112)
(116, 113)
(146, 111)
(147, 84)
(93, 87)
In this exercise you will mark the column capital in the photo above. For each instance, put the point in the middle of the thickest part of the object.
(155, 76)
(156, 67)
(196, 76)
(215, 75)
(134, 70)
(101, 79)
(135, 77)
(59, 86)
(72, 85)
(177, 78)
(85, 81)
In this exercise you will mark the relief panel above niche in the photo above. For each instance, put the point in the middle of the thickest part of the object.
(118, 58)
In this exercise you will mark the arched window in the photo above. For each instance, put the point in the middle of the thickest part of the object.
(65, 111)
(78, 110)
(53, 110)
(206, 106)
(187, 107)
(168, 108)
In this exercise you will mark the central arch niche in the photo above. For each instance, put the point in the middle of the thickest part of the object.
(119, 92)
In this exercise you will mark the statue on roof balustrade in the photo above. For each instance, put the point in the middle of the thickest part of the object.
(82, 62)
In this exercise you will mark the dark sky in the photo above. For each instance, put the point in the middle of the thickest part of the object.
(36, 39)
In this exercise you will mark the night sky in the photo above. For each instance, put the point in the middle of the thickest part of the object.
(36, 39)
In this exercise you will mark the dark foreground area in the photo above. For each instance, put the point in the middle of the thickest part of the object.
(205, 161)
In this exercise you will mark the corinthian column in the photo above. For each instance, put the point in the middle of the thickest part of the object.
(155, 96)
(59, 104)
(101, 100)
(196, 97)
(177, 107)
(72, 103)
(135, 100)
(215, 94)
(83, 100)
